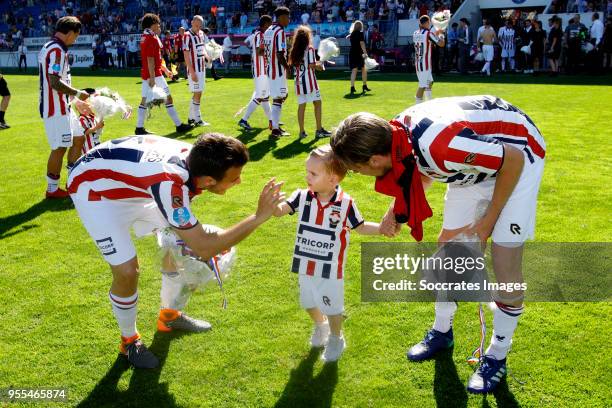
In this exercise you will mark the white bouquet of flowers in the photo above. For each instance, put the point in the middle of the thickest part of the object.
(214, 51)
(370, 64)
(106, 103)
(328, 49)
(441, 19)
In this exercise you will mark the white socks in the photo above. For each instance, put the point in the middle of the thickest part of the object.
(253, 104)
(194, 111)
(505, 320)
(142, 113)
(417, 100)
(173, 114)
(428, 93)
(276, 113)
(487, 68)
(265, 104)
(52, 182)
(445, 311)
(124, 309)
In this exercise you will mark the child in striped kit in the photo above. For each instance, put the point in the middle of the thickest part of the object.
(85, 124)
(326, 215)
(303, 61)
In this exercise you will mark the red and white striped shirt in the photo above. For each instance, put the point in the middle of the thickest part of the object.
(194, 43)
(53, 60)
(256, 41)
(274, 42)
(323, 233)
(305, 78)
(459, 140)
(143, 170)
(80, 125)
(423, 39)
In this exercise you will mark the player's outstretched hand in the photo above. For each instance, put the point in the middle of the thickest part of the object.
(388, 226)
(269, 199)
(151, 82)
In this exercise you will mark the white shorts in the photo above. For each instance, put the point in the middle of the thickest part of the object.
(197, 86)
(488, 52)
(159, 81)
(262, 87)
(59, 131)
(507, 53)
(516, 223)
(325, 294)
(108, 223)
(309, 97)
(425, 78)
(278, 87)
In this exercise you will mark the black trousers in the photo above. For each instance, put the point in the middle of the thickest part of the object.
(22, 58)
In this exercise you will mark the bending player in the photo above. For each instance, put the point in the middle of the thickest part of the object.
(423, 39)
(151, 74)
(483, 148)
(261, 95)
(277, 67)
(148, 182)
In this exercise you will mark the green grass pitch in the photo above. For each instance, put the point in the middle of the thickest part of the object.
(57, 329)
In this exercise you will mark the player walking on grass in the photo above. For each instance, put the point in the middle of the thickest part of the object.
(148, 182)
(326, 215)
(483, 148)
(277, 67)
(261, 95)
(151, 74)
(424, 41)
(54, 101)
(486, 37)
(303, 61)
(196, 60)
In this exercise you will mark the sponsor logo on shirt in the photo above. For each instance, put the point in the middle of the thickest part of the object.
(181, 216)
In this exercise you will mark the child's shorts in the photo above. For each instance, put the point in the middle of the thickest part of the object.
(325, 294)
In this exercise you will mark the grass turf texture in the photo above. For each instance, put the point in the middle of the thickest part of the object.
(58, 329)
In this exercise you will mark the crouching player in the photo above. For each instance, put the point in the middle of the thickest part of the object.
(326, 216)
(483, 148)
(148, 182)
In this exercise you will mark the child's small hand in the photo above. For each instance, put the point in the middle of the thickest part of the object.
(100, 125)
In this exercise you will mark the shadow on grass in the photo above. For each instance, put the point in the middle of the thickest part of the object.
(257, 151)
(449, 390)
(247, 136)
(144, 388)
(304, 390)
(293, 149)
(356, 95)
(43, 206)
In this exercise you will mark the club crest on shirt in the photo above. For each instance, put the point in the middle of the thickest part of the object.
(334, 218)
(181, 216)
(469, 159)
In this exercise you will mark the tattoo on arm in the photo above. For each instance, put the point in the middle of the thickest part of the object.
(60, 86)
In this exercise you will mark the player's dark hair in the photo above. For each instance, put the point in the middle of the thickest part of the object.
(281, 11)
(206, 30)
(596, 15)
(67, 24)
(265, 19)
(149, 19)
(213, 154)
(423, 19)
(301, 41)
(359, 137)
(454, 25)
